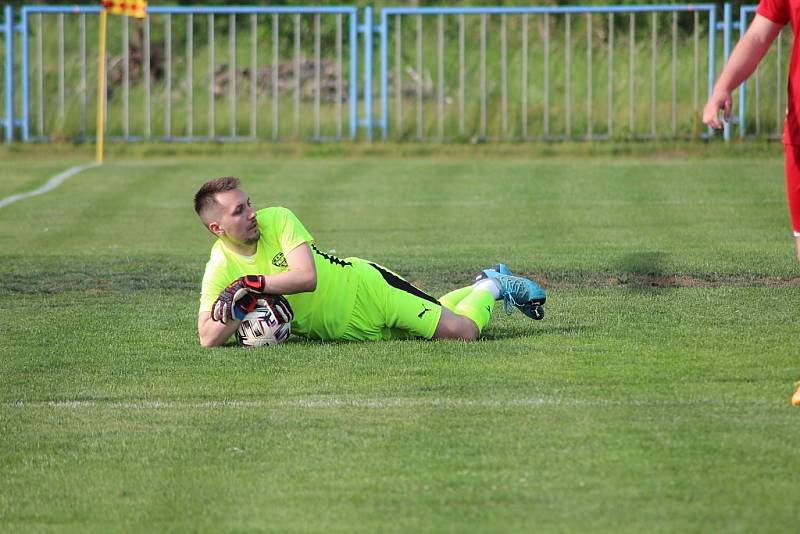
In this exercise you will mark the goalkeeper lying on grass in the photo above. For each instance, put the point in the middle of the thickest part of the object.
(268, 254)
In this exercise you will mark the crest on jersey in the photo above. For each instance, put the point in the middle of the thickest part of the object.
(279, 260)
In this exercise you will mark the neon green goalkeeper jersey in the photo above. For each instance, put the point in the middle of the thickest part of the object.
(321, 314)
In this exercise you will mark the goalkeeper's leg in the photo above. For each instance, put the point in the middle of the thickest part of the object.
(451, 300)
(475, 302)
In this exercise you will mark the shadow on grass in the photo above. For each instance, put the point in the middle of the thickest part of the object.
(530, 330)
(643, 263)
(643, 272)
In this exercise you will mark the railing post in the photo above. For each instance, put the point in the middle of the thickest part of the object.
(25, 95)
(384, 31)
(353, 74)
(726, 52)
(712, 56)
(8, 29)
(366, 29)
(743, 87)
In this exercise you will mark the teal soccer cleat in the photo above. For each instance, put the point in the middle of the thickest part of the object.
(524, 294)
(494, 270)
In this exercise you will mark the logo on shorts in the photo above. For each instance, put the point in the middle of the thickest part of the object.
(423, 312)
(279, 260)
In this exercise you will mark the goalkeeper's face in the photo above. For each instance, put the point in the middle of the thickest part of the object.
(237, 218)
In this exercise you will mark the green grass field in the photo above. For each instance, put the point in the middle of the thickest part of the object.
(654, 395)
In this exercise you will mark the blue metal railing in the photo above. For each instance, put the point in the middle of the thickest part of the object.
(740, 119)
(360, 34)
(726, 53)
(383, 30)
(351, 12)
(744, 11)
(7, 28)
(25, 63)
(367, 29)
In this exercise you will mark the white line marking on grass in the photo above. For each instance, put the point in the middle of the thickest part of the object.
(51, 184)
(315, 403)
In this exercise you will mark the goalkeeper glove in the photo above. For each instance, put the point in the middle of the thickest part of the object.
(239, 298)
(279, 307)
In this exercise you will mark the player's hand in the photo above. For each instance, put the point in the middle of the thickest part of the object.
(239, 298)
(279, 307)
(719, 101)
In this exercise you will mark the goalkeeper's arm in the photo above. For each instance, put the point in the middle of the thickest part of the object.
(214, 333)
(300, 278)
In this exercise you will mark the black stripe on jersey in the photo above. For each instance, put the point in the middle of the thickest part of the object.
(333, 259)
(403, 285)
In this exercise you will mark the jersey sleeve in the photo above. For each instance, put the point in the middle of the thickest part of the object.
(775, 10)
(215, 279)
(290, 231)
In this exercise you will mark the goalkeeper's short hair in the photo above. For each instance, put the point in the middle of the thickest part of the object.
(206, 195)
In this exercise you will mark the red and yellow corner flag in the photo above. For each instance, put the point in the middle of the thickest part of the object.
(127, 8)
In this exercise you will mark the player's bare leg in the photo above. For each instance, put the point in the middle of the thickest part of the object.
(452, 326)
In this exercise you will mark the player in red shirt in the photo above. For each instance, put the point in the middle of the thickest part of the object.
(771, 17)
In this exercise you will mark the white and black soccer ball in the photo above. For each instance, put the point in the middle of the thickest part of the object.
(260, 327)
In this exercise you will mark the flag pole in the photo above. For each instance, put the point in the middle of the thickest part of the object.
(101, 89)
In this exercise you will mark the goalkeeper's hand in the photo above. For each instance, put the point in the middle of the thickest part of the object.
(239, 298)
(279, 307)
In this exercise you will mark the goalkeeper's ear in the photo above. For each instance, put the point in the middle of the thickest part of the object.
(209, 215)
(215, 229)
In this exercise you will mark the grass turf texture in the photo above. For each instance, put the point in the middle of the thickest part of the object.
(653, 395)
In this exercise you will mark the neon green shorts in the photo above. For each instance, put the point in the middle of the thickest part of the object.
(389, 307)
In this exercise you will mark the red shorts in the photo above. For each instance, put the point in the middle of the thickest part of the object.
(793, 185)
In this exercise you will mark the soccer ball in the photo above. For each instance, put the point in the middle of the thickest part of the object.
(259, 327)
